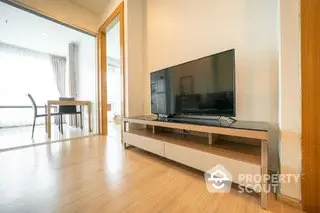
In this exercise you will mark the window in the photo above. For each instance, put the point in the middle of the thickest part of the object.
(24, 71)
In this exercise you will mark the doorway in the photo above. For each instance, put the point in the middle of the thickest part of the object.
(113, 80)
(111, 74)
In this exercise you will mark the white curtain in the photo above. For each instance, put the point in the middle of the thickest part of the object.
(59, 65)
(73, 75)
(24, 71)
(73, 69)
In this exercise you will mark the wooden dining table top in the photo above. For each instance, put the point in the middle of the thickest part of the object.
(68, 102)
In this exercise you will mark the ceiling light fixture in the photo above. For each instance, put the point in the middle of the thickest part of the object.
(44, 35)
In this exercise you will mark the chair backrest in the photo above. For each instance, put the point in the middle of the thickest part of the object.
(34, 105)
(67, 109)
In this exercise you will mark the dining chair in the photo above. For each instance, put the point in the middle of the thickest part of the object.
(36, 115)
(69, 110)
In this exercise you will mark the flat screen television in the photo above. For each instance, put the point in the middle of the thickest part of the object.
(202, 87)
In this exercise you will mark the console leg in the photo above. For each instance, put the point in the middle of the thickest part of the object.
(213, 138)
(210, 138)
(153, 129)
(124, 126)
(264, 172)
(124, 130)
(125, 145)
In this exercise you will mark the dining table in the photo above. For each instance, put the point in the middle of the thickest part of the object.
(51, 103)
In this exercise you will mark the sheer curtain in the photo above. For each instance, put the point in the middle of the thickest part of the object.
(59, 65)
(73, 73)
(24, 71)
(73, 69)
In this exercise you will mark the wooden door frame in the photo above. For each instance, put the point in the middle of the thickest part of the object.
(310, 75)
(102, 69)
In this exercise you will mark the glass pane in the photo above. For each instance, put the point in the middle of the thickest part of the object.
(114, 89)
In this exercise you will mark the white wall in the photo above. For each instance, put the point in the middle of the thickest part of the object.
(183, 30)
(135, 55)
(174, 36)
(290, 94)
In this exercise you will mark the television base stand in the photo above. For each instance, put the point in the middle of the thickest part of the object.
(241, 148)
(229, 120)
(220, 121)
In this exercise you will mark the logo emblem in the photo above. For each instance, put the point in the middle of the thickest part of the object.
(218, 180)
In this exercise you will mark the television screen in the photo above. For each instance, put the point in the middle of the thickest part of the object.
(204, 86)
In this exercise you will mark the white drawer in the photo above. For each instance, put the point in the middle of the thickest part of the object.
(204, 161)
(145, 143)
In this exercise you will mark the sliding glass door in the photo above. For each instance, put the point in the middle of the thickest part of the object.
(114, 84)
(24, 71)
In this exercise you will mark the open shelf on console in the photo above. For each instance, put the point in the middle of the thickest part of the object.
(234, 150)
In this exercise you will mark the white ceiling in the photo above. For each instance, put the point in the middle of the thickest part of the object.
(24, 29)
(95, 6)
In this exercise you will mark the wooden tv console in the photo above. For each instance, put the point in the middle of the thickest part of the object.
(206, 147)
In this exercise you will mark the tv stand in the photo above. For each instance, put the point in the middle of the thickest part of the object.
(215, 121)
(207, 147)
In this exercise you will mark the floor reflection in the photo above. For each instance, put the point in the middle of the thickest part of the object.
(21, 136)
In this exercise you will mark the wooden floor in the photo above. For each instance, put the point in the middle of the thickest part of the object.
(95, 174)
(11, 138)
